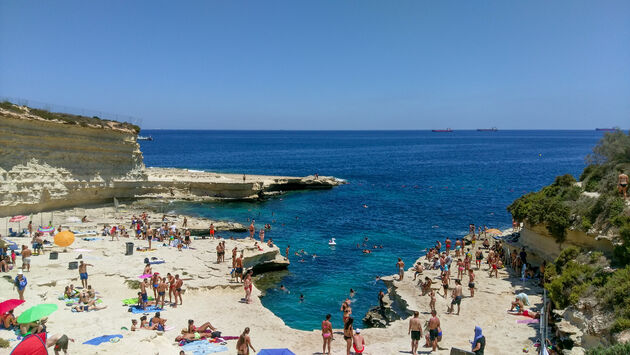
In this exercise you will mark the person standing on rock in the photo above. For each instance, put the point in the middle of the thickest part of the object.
(238, 268)
(415, 330)
(327, 333)
(471, 282)
(211, 230)
(83, 274)
(244, 342)
(434, 324)
(26, 258)
(401, 269)
(286, 251)
(348, 333)
(252, 230)
(20, 282)
(262, 235)
(623, 184)
(247, 285)
(457, 297)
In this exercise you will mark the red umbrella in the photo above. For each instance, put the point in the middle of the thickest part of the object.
(17, 218)
(9, 305)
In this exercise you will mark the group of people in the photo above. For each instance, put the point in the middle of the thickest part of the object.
(160, 285)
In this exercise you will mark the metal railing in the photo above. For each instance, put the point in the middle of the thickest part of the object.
(72, 110)
(544, 322)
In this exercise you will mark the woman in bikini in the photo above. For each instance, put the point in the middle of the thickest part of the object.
(460, 268)
(327, 333)
(192, 329)
(348, 332)
(171, 288)
(244, 343)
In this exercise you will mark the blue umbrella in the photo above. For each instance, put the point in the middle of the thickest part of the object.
(284, 351)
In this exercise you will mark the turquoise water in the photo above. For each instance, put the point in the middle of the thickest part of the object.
(419, 187)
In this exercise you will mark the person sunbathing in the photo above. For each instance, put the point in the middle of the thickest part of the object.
(67, 292)
(144, 324)
(157, 320)
(9, 321)
(34, 327)
(527, 313)
(87, 307)
(518, 303)
(192, 328)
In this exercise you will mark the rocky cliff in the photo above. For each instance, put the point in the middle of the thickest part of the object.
(47, 164)
(51, 161)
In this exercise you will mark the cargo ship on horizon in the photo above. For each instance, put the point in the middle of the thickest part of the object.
(493, 129)
(442, 130)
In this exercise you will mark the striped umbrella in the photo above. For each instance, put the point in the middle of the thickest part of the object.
(46, 229)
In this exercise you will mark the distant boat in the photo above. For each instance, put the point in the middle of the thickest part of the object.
(141, 138)
(493, 129)
(442, 130)
(606, 129)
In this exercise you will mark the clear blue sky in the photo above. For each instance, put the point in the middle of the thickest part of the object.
(325, 64)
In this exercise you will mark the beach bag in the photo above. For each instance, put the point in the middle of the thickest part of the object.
(216, 334)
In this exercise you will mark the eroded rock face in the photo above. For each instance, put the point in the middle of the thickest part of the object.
(47, 165)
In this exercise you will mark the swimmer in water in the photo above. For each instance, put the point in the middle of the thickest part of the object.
(352, 293)
(284, 289)
(301, 297)
(314, 256)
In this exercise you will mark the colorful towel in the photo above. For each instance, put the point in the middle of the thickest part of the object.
(102, 339)
(157, 262)
(203, 348)
(149, 309)
(526, 321)
(145, 276)
(134, 301)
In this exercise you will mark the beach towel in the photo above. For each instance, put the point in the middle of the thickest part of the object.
(203, 347)
(149, 309)
(134, 301)
(526, 321)
(91, 239)
(145, 276)
(157, 262)
(102, 339)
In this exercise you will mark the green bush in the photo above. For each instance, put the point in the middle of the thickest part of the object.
(614, 296)
(613, 147)
(586, 224)
(568, 287)
(617, 349)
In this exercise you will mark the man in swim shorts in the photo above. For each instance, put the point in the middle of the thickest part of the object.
(401, 269)
(83, 275)
(457, 297)
(143, 292)
(415, 330)
(26, 258)
(623, 184)
(434, 324)
(358, 343)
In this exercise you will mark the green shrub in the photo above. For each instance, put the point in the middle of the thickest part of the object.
(568, 287)
(616, 207)
(613, 147)
(586, 224)
(617, 349)
(565, 180)
(620, 325)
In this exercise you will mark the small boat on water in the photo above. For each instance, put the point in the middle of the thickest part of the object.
(332, 242)
(448, 130)
(606, 129)
(142, 138)
(493, 129)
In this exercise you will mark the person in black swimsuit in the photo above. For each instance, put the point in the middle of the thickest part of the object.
(348, 332)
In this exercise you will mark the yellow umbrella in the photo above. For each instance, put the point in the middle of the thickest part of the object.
(494, 231)
(64, 238)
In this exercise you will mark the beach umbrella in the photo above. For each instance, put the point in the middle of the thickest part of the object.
(33, 344)
(18, 219)
(9, 305)
(36, 313)
(64, 238)
(284, 351)
(46, 229)
(494, 231)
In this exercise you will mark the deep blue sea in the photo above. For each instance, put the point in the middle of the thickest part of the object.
(419, 186)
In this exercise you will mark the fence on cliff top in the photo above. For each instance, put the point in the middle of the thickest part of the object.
(73, 110)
